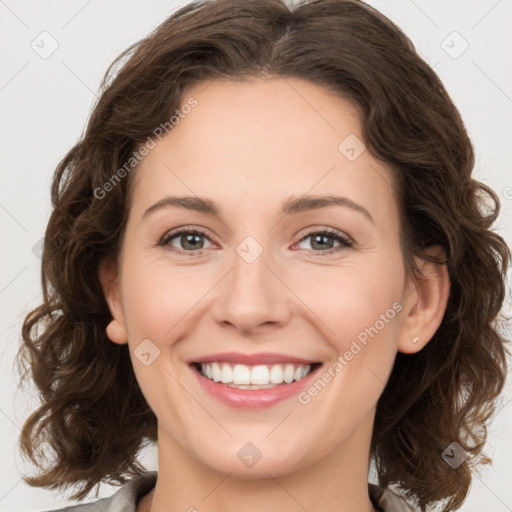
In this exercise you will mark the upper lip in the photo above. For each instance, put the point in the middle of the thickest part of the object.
(251, 359)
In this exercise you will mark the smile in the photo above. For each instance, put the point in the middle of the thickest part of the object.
(253, 381)
(260, 376)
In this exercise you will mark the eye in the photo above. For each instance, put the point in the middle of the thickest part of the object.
(321, 239)
(190, 240)
(191, 243)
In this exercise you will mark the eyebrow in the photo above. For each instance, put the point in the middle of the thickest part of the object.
(289, 207)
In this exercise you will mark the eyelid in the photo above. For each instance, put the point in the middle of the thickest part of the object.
(324, 229)
(346, 241)
(181, 230)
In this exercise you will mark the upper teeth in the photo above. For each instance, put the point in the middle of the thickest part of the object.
(259, 374)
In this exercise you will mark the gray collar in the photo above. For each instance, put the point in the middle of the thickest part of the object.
(125, 499)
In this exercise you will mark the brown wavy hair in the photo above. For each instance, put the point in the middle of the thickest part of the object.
(93, 415)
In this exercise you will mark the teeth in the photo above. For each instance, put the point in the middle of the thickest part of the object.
(261, 376)
(251, 386)
(226, 374)
(215, 372)
(276, 374)
(241, 374)
(289, 372)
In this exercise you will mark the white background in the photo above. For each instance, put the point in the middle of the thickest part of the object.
(45, 104)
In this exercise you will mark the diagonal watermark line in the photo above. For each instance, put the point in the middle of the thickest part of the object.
(96, 505)
(281, 422)
(14, 218)
(506, 505)
(301, 300)
(376, 375)
(424, 13)
(3, 3)
(502, 407)
(217, 486)
(286, 491)
(14, 76)
(10, 489)
(199, 300)
(492, 81)
(492, 8)
(199, 403)
(302, 96)
(76, 14)
(79, 78)
(10, 420)
(166, 166)
(382, 174)
(13, 279)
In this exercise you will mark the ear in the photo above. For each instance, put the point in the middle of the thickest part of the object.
(425, 300)
(109, 279)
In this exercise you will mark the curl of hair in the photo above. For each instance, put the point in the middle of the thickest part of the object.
(93, 414)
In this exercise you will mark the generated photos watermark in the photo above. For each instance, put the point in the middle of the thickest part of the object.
(137, 156)
(355, 348)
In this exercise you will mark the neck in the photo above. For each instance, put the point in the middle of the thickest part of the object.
(337, 482)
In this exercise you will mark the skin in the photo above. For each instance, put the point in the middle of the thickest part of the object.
(249, 146)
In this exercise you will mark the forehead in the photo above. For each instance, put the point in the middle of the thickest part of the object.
(251, 144)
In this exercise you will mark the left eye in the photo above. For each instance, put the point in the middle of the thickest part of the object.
(319, 239)
(191, 241)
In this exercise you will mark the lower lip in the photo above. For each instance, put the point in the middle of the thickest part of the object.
(253, 398)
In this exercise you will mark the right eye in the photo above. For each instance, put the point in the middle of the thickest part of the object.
(190, 240)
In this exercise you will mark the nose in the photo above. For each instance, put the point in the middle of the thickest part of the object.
(253, 296)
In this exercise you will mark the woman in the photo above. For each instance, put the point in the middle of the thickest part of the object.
(268, 254)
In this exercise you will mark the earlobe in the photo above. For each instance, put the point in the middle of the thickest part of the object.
(116, 332)
(108, 276)
(425, 306)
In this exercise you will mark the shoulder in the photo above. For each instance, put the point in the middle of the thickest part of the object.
(126, 497)
(123, 500)
(388, 501)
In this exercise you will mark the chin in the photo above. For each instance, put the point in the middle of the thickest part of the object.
(248, 462)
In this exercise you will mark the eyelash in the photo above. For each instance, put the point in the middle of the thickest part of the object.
(346, 243)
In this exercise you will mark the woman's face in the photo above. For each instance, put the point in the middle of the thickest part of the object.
(260, 278)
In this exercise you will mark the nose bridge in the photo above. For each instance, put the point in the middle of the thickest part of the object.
(251, 294)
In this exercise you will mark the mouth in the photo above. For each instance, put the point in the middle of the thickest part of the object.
(253, 381)
(254, 377)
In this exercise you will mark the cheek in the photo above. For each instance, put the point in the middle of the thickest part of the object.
(353, 303)
(158, 296)
(360, 318)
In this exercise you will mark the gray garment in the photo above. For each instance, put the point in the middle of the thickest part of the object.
(126, 497)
